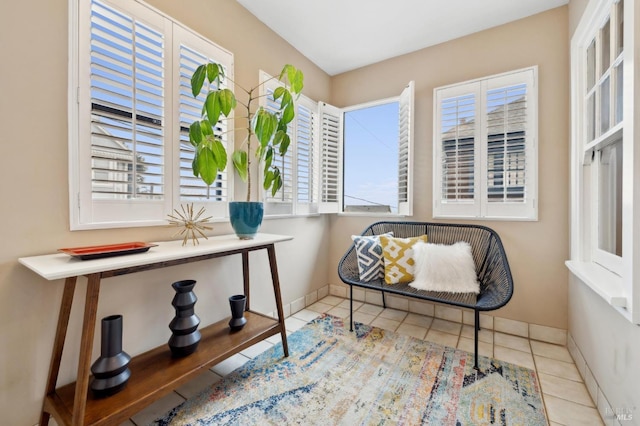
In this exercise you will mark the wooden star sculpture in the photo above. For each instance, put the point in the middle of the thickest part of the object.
(191, 225)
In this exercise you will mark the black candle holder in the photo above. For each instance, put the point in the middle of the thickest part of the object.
(237, 303)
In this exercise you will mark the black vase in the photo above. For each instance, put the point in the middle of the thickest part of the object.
(184, 325)
(237, 303)
(110, 372)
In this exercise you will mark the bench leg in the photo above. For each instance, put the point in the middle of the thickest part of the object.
(351, 308)
(384, 302)
(475, 338)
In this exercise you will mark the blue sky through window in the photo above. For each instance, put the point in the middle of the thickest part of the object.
(371, 156)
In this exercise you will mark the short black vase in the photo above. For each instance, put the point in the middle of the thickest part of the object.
(184, 326)
(111, 371)
(237, 303)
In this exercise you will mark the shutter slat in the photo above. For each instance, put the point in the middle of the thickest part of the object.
(127, 143)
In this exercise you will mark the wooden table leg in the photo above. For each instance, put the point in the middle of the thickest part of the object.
(276, 290)
(86, 348)
(245, 277)
(58, 343)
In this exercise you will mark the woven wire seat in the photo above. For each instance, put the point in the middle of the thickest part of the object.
(492, 267)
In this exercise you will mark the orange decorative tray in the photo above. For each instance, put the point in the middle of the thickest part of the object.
(98, 252)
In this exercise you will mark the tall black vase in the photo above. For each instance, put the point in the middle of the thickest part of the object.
(110, 372)
(184, 326)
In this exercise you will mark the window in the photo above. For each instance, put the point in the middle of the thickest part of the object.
(129, 101)
(485, 148)
(299, 166)
(604, 218)
(366, 156)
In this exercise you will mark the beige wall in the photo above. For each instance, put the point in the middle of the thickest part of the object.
(35, 216)
(536, 250)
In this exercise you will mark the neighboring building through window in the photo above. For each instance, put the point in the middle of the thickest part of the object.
(485, 148)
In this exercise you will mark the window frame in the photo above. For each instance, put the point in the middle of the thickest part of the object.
(479, 207)
(331, 155)
(617, 282)
(85, 211)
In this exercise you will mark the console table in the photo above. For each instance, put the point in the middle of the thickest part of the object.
(154, 373)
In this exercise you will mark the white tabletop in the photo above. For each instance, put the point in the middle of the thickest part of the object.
(60, 265)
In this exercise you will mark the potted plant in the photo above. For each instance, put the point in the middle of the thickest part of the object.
(266, 135)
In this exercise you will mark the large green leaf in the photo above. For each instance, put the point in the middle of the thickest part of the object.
(227, 101)
(212, 107)
(219, 153)
(295, 77)
(277, 184)
(195, 133)
(194, 165)
(207, 166)
(206, 128)
(269, 176)
(277, 138)
(288, 114)
(284, 145)
(268, 159)
(278, 92)
(240, 162)
(213, 71)
(197, 80)
(265, 125)
(297, 83)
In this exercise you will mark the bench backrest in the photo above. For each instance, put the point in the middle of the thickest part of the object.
(487, 249)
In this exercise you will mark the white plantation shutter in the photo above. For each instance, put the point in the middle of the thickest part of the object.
(127, 104)
(511, 153)
(282, 201)
(456, 142)
(330, 158)
(190, 52)
(307, 167)
(405, 145)
(119, 164)
(127, 111)
(485, 156)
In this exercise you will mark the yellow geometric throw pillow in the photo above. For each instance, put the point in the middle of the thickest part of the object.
(398, 258)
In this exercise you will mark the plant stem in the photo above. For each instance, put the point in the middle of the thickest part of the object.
(249, 134)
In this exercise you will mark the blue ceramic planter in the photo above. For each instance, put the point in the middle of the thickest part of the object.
(246, 218)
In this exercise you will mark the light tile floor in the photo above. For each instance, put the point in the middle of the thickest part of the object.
(565, 395)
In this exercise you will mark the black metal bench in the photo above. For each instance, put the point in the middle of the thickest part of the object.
(492, 268)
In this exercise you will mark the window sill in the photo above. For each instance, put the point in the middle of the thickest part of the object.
(604, 283)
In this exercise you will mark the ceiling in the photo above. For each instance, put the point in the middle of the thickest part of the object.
(341, 35)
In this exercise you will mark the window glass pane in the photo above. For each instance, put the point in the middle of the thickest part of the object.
(605, 48)
(610, 199)
(618, 93)
(605, 105)
(620, 28)
(591, 117)
(591, 65)
(371, 159)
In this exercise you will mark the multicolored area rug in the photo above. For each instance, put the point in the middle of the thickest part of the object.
(368, 377)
